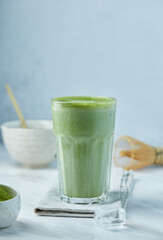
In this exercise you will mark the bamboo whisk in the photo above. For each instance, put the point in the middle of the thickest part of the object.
(130, 153)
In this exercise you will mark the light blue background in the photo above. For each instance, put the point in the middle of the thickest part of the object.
(52, 48)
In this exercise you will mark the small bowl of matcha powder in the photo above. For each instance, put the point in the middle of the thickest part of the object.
(9, 205)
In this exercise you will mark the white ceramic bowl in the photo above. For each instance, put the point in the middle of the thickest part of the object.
(33, 146)
(9, 209)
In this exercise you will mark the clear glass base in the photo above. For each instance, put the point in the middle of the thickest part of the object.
(73, 200)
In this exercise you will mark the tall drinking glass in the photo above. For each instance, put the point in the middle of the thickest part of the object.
(84, 129)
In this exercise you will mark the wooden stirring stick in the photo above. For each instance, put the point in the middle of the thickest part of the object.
(15, 104)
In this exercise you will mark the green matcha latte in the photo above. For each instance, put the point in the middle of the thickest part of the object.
(84, 129)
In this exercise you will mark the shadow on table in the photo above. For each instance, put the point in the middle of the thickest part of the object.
(22, 229)
(25, 230)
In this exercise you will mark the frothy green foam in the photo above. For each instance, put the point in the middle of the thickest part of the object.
(85, 101)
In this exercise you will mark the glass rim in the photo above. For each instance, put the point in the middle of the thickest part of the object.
(84, 99)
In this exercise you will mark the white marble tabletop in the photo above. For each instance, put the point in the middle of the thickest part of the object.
(144, 212)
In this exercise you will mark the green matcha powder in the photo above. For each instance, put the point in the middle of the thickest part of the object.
(4, 195)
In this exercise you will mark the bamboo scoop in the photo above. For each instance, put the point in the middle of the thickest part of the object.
(130, 153)
(15, 104)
